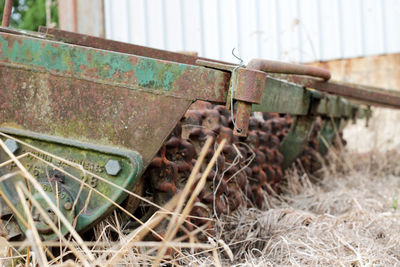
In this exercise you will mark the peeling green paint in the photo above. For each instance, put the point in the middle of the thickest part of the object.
(60, 57)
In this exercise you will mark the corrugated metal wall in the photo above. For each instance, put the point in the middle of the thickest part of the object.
(293, 30)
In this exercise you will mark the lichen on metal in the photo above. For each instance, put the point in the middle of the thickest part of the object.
(110, 111)
(64, 178)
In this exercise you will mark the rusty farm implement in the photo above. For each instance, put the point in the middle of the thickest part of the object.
(90, 120)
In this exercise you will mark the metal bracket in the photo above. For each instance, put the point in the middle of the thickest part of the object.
(119, 167)
(248, 87)
(295, 141)
(329, 131)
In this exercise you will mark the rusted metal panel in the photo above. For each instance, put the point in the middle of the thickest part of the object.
(249, 85)
(88, 112)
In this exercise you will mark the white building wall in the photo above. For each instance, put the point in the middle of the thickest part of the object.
(290, 30)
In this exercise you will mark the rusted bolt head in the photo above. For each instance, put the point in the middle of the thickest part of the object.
(113, 167)
(12, 145)
(68, 206)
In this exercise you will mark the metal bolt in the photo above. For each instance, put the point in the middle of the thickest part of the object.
(12, 145)
(113, 167)
(68, 206)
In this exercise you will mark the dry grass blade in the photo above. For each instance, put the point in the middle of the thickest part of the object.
(56, 230)
(190, 182)
(350, 217)
(141, 232)
(87, 185)
(174, 225)
(176, 201)
(78, 166)
(39, 188)
(32, 231)
(15, 211)
(103, 195)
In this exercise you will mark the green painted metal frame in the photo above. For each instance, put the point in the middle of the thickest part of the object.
(84, 98)
(92, 158)
(102, 93)
(296, 140)
(330, 129)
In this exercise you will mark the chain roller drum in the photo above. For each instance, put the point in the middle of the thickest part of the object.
(331, 133)
(246, 167)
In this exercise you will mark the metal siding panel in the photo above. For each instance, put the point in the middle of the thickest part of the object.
(288, 30)
(299, 32)
(269, 28)
(183, 29)
(340, 25)
(238, 29)
(211, 38)
(192, 26)
(164, 24)
(173, 17)
(155, 24)
(329, 33)
(137, 16)
(220, 40)
(119, 21)
(278, 30)
(248, 29)
(108, 19)
(393, 22)
(351, 29)
(202, 51)
(362, 25)
(309, 30)
(229, 33)
(146, 22)
(267, 31)
(130, 22)
(384, 26)
(373, 27)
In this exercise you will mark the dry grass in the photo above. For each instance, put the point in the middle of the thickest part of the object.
(350, 218)
(347, 217)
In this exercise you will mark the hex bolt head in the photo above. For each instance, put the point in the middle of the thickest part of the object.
(68, 206)
(12, 145)
(113, 167)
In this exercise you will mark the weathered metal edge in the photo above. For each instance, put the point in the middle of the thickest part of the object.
(117, 68)
(131, 155)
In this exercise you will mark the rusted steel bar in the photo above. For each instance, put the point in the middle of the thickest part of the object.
(7, 13)
(101, 43)
(375, 97)
(288, 68)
